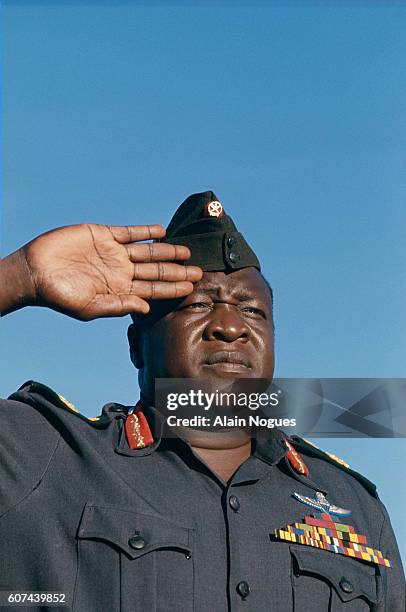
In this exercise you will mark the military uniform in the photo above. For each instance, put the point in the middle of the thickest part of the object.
(120, 518)
(154, 529)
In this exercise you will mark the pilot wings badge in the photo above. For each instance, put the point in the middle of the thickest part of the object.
(322, 504)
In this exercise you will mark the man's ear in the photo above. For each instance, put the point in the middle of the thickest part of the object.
(134, 341)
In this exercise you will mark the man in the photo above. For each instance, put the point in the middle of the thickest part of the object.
(116, 514)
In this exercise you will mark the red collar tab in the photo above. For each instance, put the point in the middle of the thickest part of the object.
(137, 430)
(295, 460)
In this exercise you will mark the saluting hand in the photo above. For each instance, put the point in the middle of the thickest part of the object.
(90, 271)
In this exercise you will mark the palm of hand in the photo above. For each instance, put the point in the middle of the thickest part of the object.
(90, 271)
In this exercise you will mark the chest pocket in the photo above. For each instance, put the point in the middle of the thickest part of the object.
(132, 562)
(324, 581)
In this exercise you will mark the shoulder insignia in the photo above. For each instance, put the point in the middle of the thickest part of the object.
(313, 450)
(67, 403)
(338, 460)
(333, 457)
(57, 399)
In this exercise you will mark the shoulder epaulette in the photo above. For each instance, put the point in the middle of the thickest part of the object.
(56, 399)
(313, 450)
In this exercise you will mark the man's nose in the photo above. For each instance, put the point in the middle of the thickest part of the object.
(226, 325)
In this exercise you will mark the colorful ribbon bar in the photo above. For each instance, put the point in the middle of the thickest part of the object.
(320, 531)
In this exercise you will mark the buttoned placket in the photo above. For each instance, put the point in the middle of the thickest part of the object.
(233, 520)
(240, 494)
(239, 498)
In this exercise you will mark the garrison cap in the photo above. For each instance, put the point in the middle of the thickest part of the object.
(202, 224)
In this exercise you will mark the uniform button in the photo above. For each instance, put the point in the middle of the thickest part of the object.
(231, 240)
(234, 503)
(137, 542)
(346, 585)
(243, 589)
(234, 257)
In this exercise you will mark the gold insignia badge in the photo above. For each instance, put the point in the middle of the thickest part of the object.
(214, 209)
(338, 460)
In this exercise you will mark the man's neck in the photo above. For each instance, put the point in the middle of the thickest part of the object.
(224, 461)
(222, 451)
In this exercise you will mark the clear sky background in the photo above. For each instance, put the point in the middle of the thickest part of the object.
(293, 113)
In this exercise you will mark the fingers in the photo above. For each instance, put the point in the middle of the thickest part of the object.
(157, 251)
(113, 306)
(166, 272)
(131, 233)
(157, 290)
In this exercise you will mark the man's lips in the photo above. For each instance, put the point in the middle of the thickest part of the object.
(233, 358)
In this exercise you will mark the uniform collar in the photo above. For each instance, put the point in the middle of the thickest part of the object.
(268, 445)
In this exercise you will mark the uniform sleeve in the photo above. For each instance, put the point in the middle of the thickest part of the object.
(394, 598)
(27, 444)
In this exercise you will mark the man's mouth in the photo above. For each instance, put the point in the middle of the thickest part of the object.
(228, 361)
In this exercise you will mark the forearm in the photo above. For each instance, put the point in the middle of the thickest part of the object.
(16, 286)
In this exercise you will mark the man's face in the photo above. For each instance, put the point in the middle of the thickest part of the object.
(224, 329)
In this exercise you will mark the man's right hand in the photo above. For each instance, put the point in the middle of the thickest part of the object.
(90, 271)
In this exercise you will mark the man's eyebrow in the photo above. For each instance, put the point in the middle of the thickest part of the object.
(209, 289)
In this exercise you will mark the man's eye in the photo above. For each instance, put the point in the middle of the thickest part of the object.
(198, 305)
(254, 311)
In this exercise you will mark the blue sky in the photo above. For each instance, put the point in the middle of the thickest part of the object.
(293, 113)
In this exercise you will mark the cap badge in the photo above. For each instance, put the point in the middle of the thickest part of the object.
(214, 209)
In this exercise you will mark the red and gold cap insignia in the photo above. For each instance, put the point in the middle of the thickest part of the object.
(213, 209)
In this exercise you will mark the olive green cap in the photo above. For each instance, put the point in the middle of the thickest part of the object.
(202, 224)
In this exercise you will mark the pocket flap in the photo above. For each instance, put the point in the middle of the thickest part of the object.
(351, 578)
(134, 533)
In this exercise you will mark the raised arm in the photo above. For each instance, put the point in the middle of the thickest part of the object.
(89, 271)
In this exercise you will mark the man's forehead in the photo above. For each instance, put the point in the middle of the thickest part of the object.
(248, 280)
(245, 284)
